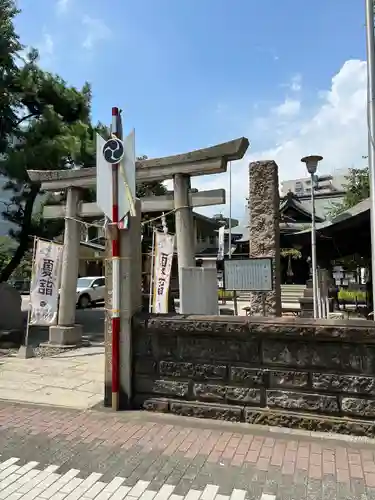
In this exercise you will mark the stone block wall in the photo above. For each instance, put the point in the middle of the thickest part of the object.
(238, 368)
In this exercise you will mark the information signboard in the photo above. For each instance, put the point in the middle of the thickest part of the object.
(250, 275)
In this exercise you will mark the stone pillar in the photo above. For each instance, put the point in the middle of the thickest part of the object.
(184, 223)
(67, 332)
(130, 303)
(264, 231)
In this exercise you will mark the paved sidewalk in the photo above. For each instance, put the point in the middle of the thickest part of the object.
(73, 379)
(61, 454)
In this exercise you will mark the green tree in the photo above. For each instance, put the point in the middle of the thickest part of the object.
(357, 188)
(48, 142)
(45, 125)
(10, 48)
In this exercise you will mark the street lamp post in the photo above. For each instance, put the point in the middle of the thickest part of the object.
(370, 42)
(312, 165)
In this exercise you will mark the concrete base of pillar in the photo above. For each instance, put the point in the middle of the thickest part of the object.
(65, 336)
(25, 352)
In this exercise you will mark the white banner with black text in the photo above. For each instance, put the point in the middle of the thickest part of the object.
(45, 283)
(220, 253)
(163, 257)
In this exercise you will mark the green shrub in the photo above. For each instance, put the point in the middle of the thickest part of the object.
(352, 295)
(225, 294)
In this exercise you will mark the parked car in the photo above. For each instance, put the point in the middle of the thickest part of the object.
(22, 285)
(90, 291)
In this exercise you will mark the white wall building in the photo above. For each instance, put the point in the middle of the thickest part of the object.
(325, 184)
(329, 190)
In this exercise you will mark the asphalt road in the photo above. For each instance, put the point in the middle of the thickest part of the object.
(92, 321)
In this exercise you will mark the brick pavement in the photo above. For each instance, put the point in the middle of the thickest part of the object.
(98, 454)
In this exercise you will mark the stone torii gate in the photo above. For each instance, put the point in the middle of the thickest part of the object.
(163, 203)
(160, 203)
(180, 168)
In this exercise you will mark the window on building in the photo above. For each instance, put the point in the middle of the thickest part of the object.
(299, 187)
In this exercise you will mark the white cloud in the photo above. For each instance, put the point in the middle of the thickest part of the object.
(290, 107)
(62, 6)
(296, 83)
(46, 49)
(336, 129)
(96, 31)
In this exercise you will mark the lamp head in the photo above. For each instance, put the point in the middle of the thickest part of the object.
(311, 163)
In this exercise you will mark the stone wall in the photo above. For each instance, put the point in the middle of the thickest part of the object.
(264, 231)
(251, 369)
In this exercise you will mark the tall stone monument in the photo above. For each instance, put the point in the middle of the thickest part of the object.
(264, 231)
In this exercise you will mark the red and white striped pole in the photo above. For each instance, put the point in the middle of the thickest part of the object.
(115, 273)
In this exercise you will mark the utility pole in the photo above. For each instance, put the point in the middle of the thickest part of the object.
(370, 42)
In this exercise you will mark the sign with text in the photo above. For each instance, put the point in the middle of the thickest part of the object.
(250, 275)
(163, 256)
(44, 290)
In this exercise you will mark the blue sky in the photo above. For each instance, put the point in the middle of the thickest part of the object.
(192, 73)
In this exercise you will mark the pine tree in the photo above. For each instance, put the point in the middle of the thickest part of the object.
(45, 125)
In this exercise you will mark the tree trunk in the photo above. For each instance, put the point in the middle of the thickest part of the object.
(24, 240)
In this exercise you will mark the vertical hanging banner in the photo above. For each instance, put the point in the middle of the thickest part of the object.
(163, 256)
(44, 290)
(220, 253)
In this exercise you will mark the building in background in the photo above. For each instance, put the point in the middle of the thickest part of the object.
(329, 191)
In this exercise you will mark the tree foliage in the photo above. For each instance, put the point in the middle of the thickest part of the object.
(7, 248)
(357, 188)
(45, 124)
(10, 47)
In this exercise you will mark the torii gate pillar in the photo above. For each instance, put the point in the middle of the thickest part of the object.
(67, 332)
(184, 223)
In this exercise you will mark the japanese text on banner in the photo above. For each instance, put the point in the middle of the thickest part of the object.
(44, 292)
(164, 248)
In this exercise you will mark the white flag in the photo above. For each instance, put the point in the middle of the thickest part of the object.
(220, 253)
(163, 256)
(44, 291)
